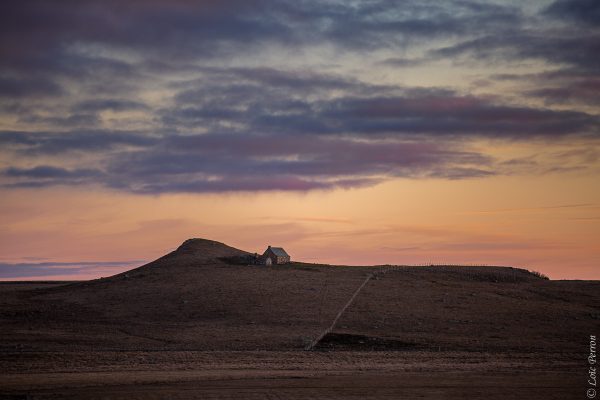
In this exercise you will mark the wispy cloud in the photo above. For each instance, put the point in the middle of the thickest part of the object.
(540, 209)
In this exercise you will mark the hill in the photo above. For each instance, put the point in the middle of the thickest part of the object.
(199, 298)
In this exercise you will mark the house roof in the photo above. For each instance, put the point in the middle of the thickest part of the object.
(279, 251)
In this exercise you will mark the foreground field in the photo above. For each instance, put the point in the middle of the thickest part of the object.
(290, 375)
(201, 323)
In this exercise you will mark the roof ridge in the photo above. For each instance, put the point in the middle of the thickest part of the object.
(278, 251)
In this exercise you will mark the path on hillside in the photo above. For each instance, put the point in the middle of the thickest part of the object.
(339, 314)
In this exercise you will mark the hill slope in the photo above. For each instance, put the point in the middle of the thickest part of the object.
(197, 298)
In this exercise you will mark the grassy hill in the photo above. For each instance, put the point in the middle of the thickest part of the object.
(200, 297)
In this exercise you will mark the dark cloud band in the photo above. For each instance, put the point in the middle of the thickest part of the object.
(160, 97)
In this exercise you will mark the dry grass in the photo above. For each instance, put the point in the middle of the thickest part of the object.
(192, 300)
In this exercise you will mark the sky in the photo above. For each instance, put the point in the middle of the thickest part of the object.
(353, 132)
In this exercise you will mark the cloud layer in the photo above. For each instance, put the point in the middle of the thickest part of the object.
(187, 96)
(11, 271)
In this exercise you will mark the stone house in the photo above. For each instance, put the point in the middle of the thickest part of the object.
(275, 255)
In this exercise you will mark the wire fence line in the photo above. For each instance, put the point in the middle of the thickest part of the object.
(312, 344)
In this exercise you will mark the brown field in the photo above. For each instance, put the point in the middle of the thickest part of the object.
(200, 323)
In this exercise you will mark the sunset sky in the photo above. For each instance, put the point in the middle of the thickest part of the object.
(348, 132)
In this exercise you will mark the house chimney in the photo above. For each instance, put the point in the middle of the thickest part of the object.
(269, 246)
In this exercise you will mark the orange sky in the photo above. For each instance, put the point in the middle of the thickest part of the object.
(544, 223)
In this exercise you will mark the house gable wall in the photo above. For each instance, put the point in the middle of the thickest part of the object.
(276, 259)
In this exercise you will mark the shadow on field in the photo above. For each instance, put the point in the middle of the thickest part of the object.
(350, 342)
